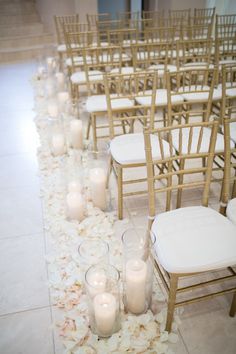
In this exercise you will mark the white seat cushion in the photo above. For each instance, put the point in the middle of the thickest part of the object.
(161, 98)
(194, 239)
(196, 65)
(61, 48)
(129, 148)
(123, 70)
(80, 77)
(231, 210)
(161, 68)
(98, 103)
(205, 140)
(230, 91)
(199, 96)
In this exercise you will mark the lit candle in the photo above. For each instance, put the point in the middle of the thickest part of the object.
(75, 206)
(60, 78)
(58, 144)
(63, 97)
(96, 283)
(53, 109)
(98, 177)
(74, 186)
(135, 280)
(76, 133)
(105, 313)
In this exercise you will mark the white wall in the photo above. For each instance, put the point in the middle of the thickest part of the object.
(48, 8)
(83, 7)
(180, 4)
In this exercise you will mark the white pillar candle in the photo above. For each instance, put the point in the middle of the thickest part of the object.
(50, 63)
(98, 177)
(76, 133)
(74, 186)
(135, 281)
(53, 109)
(62, 97)
(75, 206)
(105, 313)
(60, 78)
(58, 144)
(41, 70)
(96, 283)
(50, 88)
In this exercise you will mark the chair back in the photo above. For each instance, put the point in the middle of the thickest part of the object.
(60, 21)
(175, 168)
(92, 19)
(122, 91)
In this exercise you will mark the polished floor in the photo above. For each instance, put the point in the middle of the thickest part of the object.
(26, 314)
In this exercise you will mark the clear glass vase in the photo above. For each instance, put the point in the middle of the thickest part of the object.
(98, 175)
(102, 288)
(92, 251)
(137, 269)
(57, 138)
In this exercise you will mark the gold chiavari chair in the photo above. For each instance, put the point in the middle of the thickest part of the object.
(110, 59)
(124, 38)
(194, 53)
(155, 16)
(92, 19)
(191, 241)
(160, 34)
(109, 25)
(126, 145)
(179, 17)
(128, 15)
(75, 43)
(228, 122)
(59, 22)
(204, 16)
(196, 32)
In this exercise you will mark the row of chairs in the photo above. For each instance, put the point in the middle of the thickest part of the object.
(181, 141)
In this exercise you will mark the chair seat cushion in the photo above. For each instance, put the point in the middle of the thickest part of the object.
(129, 148)
(194, 239)
(233, 132)
(161, 98)
(98, 103)
(196, 65)
(231, 210)
(205, 140)
(230, 91)
(199, 96)
(161, 68)
(80, 77)
(123, 70)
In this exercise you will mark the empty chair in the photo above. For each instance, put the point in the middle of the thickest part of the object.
(93, 19)
(190, 240)
(59, 22)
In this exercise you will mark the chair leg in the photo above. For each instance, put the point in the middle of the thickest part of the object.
(88, 128)
(93, 117)
(109, 171)
(233, 306)
(171, 301)
(120, 191)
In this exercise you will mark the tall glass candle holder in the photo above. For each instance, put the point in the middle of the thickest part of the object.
(57, 140)
(92, 251)
(137, 270)
(102, 287)
(98, 174)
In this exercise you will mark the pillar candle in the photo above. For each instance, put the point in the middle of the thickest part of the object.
(96, 283)
(60, 78)
(53, 109)
(58, 144)
(76, 133)
(62, 97)
(105, 313)
(98, 177)
(74, 186)
(41, 70)
(50, 63)
(135, 281)
(75, 206)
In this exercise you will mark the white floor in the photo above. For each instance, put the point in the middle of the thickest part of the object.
(26, 316)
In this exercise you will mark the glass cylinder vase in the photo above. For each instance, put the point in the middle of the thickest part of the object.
(102, 287)
(98, 174)
(137, 270)
(57, 139)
